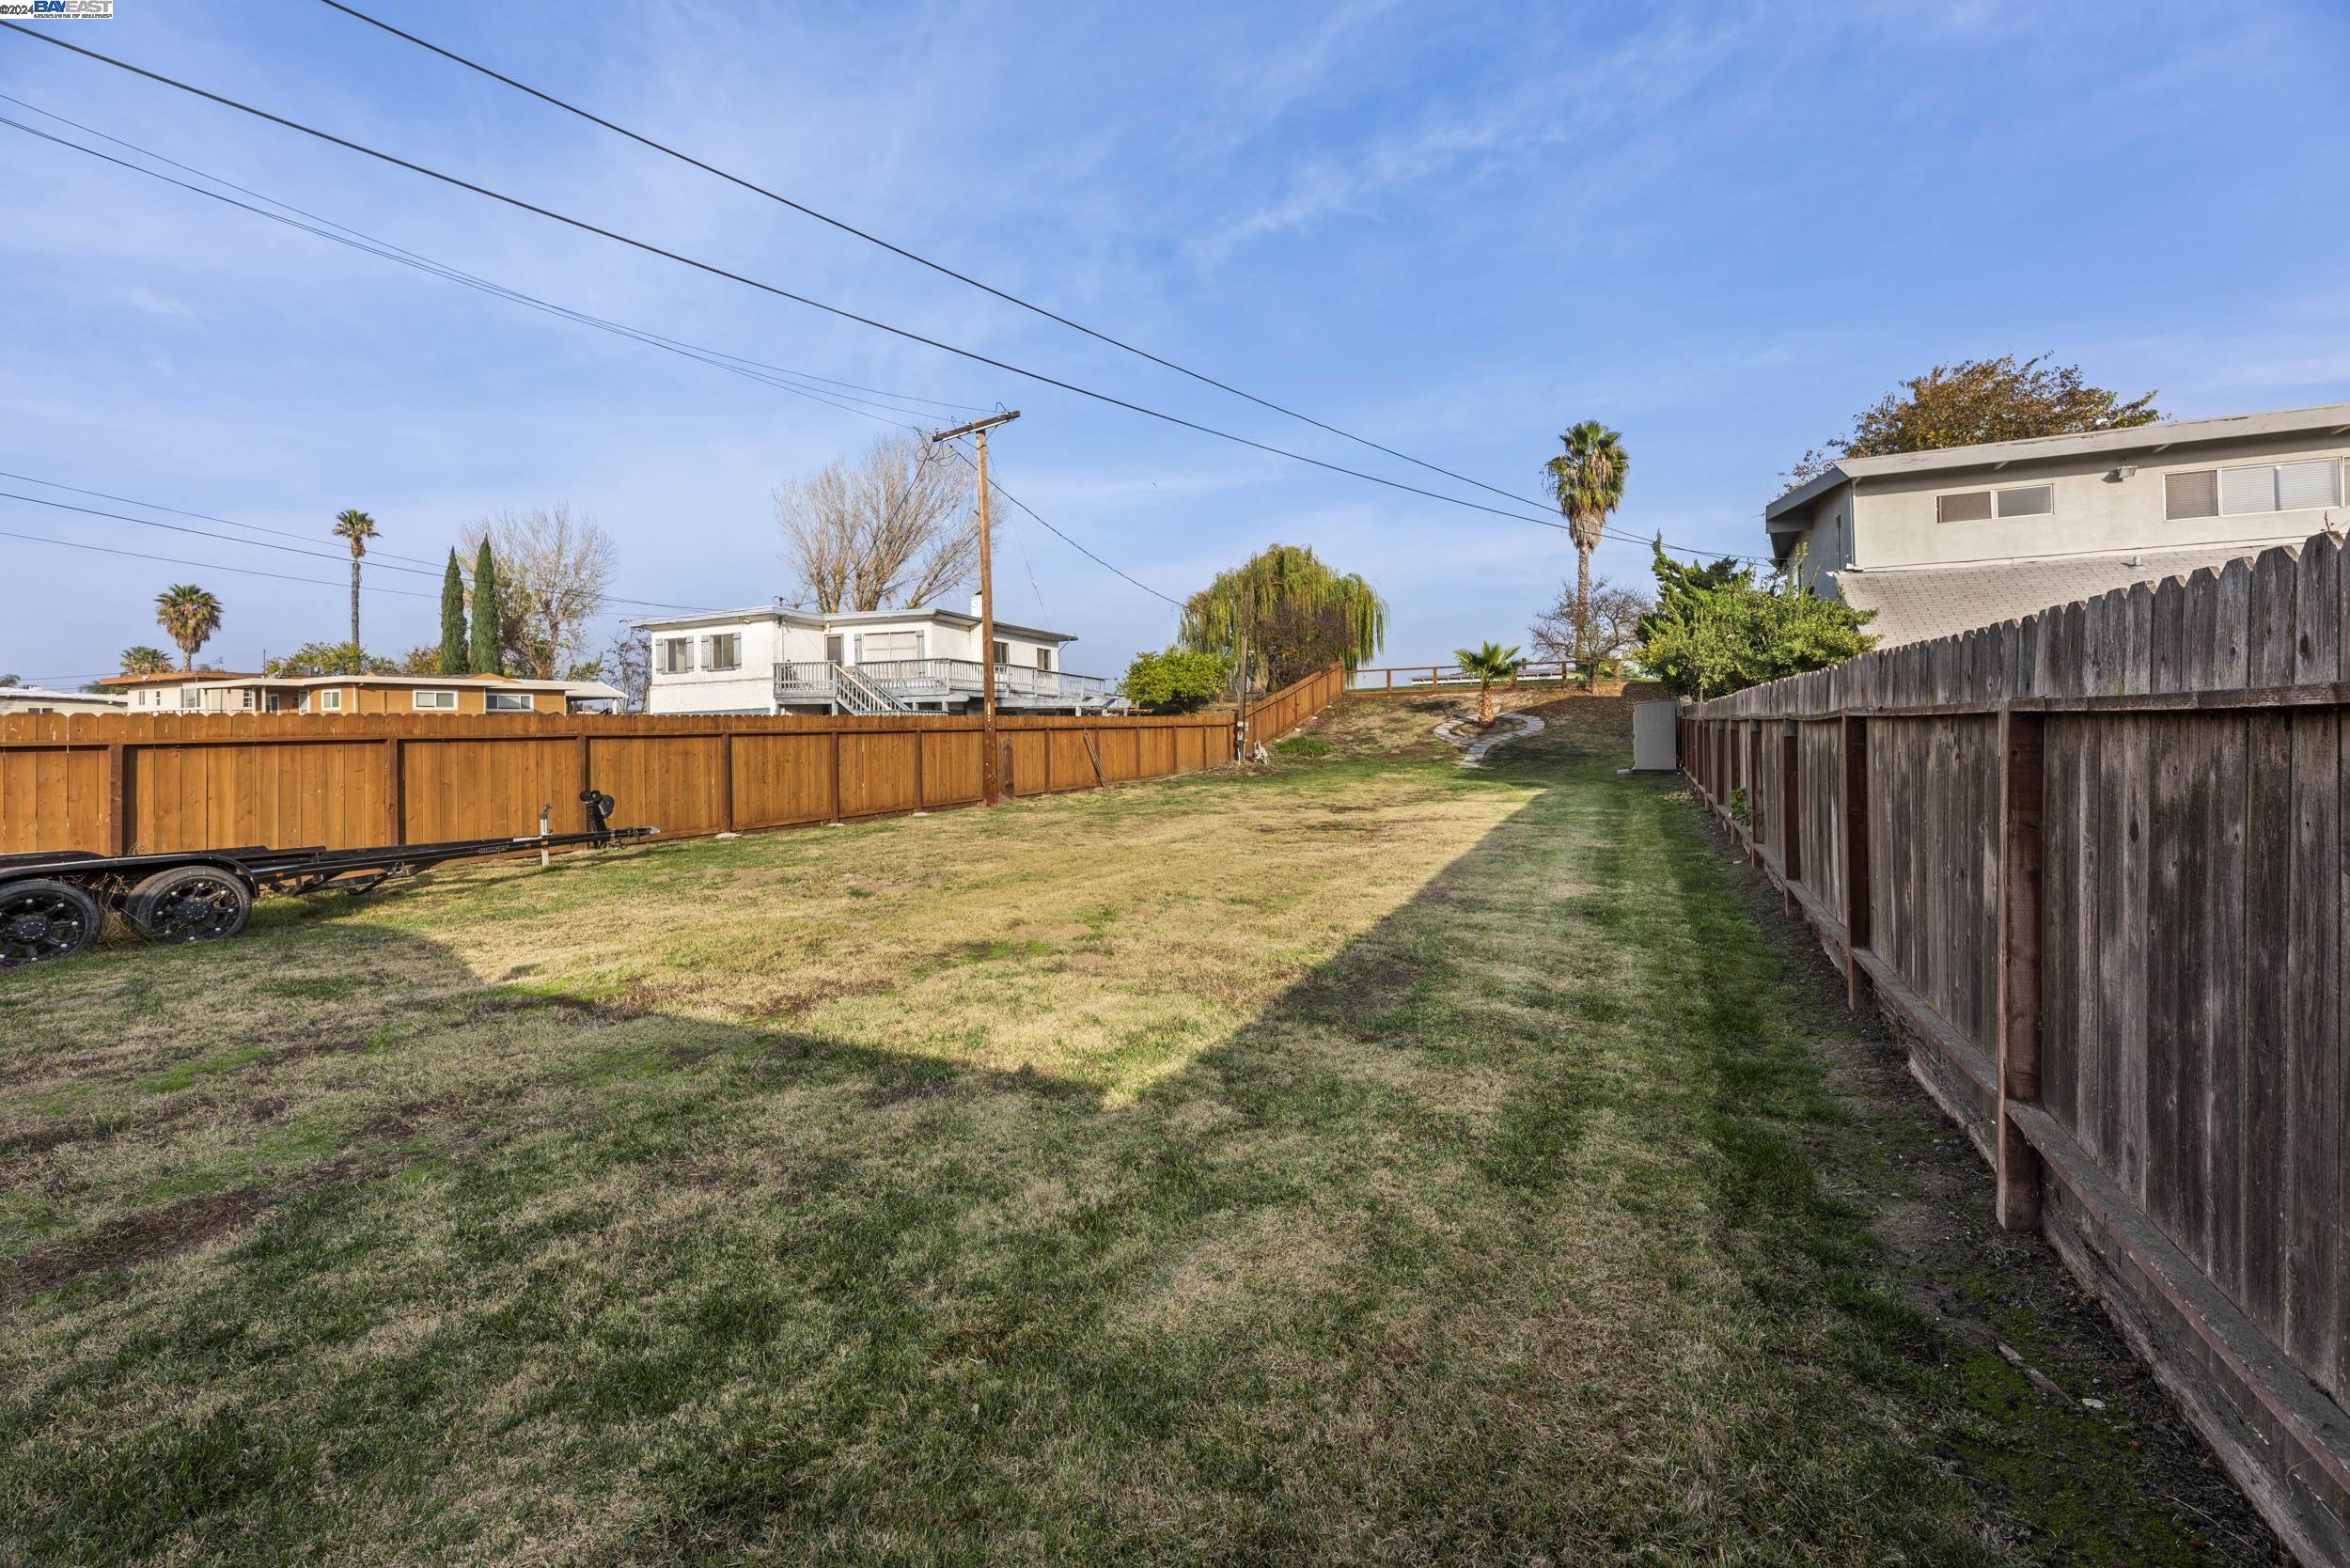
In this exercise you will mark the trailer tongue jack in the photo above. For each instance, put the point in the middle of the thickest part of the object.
(54, 905)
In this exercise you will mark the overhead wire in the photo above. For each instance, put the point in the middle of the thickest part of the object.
(915, 257)
(388, 251)
(1110, 399)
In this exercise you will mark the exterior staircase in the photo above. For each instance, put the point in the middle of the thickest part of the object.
(853, 694)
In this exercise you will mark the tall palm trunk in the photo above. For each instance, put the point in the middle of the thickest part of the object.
(1582, 610)
(354, 603)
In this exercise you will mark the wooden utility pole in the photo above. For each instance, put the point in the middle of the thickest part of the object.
(990, 765)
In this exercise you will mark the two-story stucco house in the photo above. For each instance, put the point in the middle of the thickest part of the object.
(1942, 541)
(772, 659)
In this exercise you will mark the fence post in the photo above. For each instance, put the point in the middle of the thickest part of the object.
(726, 778)
(1754, 789)
(1789, 812)
(1857, 922)
(2021, 743)
(117, 798)
(395, 794)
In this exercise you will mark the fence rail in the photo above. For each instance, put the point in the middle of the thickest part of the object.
(2092, 864)
(135, 784)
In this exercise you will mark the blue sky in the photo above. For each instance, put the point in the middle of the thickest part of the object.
(1455, 230)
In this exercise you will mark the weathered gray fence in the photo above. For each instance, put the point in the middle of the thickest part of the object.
(2091, 864)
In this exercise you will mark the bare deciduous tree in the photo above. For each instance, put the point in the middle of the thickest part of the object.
(1614, 624)
(554, 568)
(892, 529)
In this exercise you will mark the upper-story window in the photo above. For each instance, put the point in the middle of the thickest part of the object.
(508, 702)
(2302, 486)
(1003, 652)
(1980, 506)
(441, 702)
(191, 697)
(723, 651)
(674, 655)
(1043, 658)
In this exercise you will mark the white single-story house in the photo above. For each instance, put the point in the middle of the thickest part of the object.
(212, 691)
(39, 699)
(772, 659)
(1944, 542)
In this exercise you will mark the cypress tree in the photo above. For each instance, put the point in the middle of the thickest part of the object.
(487, 657)
(456, 658)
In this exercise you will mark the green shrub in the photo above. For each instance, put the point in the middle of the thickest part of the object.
(1177, 681)
(1303, 745)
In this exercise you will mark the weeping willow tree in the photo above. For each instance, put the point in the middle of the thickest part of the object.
(1299, 615)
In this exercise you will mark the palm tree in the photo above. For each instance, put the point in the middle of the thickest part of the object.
(144, 660)
(1488, 664)
(190, 615)
(1587, 481)
(356, 528)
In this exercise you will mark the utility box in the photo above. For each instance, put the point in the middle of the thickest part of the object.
(1656, 736)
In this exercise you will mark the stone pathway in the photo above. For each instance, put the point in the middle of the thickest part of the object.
(1475, 742)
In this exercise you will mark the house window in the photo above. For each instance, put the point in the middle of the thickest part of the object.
(677, 655)
(723, 651)
(330, 702)
(1003, 652)
(508, 702)
(444, 702)
(2195, 493)
(835, 649)
(1973, 506)
(1043, 658)
(876, 648)
(2304, 486)
(1980, 506)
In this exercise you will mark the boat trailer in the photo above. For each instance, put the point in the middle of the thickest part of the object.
(54, 905)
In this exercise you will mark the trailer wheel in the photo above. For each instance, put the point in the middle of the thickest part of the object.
(189, 903)
(44, 921)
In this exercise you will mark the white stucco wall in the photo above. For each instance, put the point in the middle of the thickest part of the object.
(769, 639)
(750, 688)
(2096, 508)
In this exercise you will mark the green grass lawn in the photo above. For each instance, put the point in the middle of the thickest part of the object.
(1366, 1160)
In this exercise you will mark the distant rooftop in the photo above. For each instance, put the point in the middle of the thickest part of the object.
(1917, 603)
(2331, 419)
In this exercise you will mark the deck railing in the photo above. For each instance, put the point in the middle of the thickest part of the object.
(913, 681)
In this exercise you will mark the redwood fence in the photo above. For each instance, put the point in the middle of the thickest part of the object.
(131, 784)
(2091, 865)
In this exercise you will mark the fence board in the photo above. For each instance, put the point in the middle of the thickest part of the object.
(2195, 1046)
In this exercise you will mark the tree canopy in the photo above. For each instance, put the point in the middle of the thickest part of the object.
(328, 658)
(456, 653)
(1178, 680)
(1716, 629)
(190, 615)
(145, 659)
(1977, 400)
(485, 654)
(1294, 608)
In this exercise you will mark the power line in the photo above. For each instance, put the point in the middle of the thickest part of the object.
(385, 250)
(208, 566)
(453, 273)
(713, 269)
(388, 251)
(918, 259)
(282, 533)
(1066, 539)
(264, 545)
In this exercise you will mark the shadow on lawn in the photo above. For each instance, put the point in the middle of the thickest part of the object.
(1494, 1236)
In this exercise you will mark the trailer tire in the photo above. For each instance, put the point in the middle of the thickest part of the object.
(190, 904)
(45, 920)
